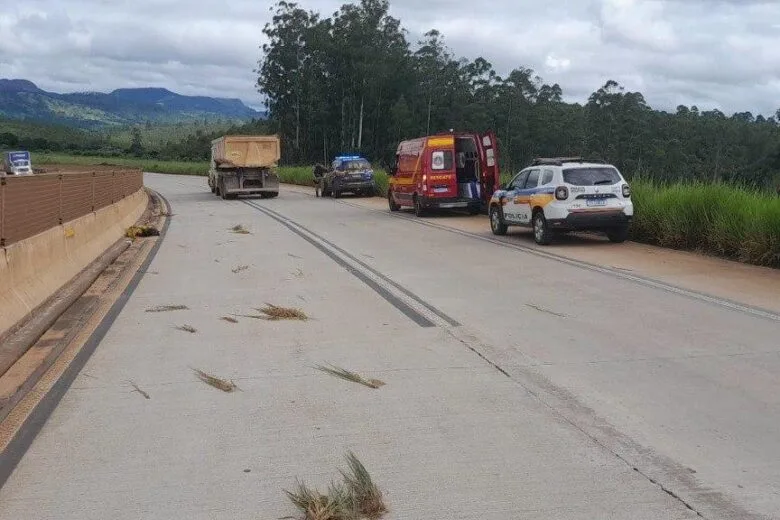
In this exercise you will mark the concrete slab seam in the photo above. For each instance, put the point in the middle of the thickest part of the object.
(641, 280)
(542, 394)
(383, 291)
(449, 320)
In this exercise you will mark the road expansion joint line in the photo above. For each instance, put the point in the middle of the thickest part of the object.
(569, 409)
(400, 299)
(614, 272)
(449, 320)
(354, 266)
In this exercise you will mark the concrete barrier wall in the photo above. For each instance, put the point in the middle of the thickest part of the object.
(33, 269)
(31, 204)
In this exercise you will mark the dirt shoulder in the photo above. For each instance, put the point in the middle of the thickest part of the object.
(741, 283)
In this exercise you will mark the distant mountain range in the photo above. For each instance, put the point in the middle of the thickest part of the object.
(22, 99)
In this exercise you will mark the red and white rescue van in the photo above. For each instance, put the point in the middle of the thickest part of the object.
(452, 170)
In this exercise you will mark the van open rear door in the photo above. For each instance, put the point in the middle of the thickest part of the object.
(490, 174)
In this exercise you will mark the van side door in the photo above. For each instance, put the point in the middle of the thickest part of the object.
(489, 172)
(409, 156)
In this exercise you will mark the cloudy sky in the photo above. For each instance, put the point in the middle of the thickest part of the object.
(712, 53)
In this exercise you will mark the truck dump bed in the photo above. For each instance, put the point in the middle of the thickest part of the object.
(246, 151)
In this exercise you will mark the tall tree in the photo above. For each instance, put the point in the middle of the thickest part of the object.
(351, 82)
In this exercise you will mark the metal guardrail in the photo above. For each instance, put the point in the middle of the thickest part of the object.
(32, 204)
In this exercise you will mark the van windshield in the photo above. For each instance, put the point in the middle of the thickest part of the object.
(591, 176)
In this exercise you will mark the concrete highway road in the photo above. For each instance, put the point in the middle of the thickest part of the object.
(517, 386)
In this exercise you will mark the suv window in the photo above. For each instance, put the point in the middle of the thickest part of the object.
(358, 164)
(519, 181)
(548, 177)
(595, 176)
(533, 179)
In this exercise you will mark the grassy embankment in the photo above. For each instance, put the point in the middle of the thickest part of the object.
(149, 165)
(716, 219)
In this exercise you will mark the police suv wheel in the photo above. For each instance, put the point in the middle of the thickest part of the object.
(542, 233)
(497, 225)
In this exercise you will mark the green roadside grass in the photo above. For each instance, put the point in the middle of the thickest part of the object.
(717, 219)
(147, 165)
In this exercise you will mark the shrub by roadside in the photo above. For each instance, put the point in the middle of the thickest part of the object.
(717, 219)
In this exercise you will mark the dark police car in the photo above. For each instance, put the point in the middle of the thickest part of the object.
(349, 174)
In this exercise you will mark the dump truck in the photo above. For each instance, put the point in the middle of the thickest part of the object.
(15, 163)
(244, 165)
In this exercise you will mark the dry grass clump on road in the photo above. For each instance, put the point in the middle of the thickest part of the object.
(168, 308)
(187, 328)
(216, 382)
(229, 319)
(275, 312)
(367, 495)
(542, 309)
(142, 231)
(240, 229)
(354, 499)
(343, 373)
(137, 389)
(336, 505)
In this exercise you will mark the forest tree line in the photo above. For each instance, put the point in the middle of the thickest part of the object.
(352, 82)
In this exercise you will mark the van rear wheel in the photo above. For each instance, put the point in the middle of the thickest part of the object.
(391, 202)
(419, 210)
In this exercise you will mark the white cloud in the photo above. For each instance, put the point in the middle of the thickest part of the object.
(713, 53)
(555, 64)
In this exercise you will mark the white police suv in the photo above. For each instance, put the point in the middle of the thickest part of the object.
(564, 194)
